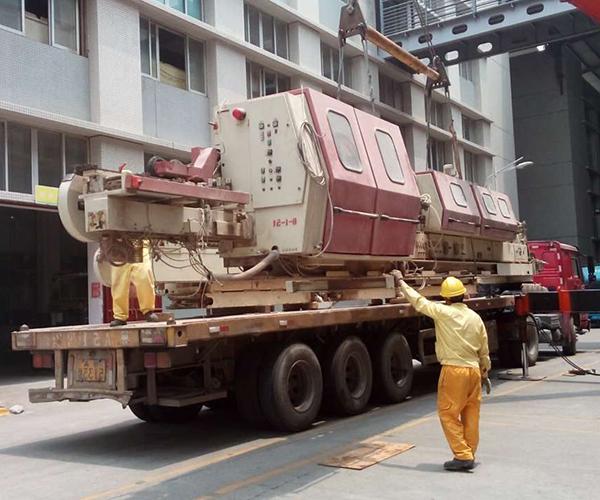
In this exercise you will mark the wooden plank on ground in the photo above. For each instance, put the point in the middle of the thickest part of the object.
(367, 453)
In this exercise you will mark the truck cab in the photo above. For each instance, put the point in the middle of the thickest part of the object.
(559, 268)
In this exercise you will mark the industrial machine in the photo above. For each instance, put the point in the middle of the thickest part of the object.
(285, 232)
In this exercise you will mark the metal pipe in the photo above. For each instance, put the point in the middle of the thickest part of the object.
(393, 49)
(249, 273)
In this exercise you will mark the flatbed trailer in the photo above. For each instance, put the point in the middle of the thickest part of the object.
(274, 366)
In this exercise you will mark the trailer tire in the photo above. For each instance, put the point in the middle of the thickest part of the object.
(509, 351)
(393, 368)
(291, 387)
(246, 386)
(349, 377)
(569, 347)
(165, 414)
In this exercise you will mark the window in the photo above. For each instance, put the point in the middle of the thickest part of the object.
(262, 81)
(389, 155)
(468, 128)
(465, 70)
(504, 208)
(37, 157)
(174, 59)
(470, 167)
(438, 155)
(437, 114)
(192, 8)
(344, 141)
(330, 65)
(575, 267)
(54, 22)
(266, 31)
(390, 92)
(488, 201)
(458, 194)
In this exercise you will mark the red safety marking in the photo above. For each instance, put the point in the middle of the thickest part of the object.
(522, 307)
(564, 301)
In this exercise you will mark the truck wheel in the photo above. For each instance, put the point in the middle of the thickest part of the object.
(349, 377)
(291, 388)
(393, 368)
(246, 386)
(509, 351)
(569, 347)
(165, 414)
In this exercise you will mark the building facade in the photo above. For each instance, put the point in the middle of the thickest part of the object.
(112, 82)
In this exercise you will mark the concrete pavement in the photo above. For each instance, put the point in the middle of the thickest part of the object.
(539, 440)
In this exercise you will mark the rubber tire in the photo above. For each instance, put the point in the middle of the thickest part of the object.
(165, 414)
(569, 348)
(509, 351)
(386, 387)
(246, 386)
(273, 388)
(337, 392)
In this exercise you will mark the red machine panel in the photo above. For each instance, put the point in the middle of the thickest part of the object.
(398, 198)
(498, 221)
(459, 212)
(351, 182)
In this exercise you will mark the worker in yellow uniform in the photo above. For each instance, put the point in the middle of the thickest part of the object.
(462, 349)
(140, 274)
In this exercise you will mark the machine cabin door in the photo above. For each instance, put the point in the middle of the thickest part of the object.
(398, 200)
(351, 183)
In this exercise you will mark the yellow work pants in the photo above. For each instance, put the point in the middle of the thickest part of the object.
(459, 400)
(142, 278)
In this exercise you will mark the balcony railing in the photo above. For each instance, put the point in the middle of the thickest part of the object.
(399, 16)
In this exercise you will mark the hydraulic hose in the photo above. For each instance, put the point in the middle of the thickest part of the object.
(249, 273)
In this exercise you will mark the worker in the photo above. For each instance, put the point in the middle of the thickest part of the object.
(140, 274)
(462, 349)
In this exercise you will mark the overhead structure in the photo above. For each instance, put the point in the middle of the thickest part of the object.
(463, 30)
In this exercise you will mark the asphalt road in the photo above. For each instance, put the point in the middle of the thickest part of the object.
(540, 439)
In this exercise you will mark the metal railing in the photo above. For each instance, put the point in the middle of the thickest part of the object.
(399, 16)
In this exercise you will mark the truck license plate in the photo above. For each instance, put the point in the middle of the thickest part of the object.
(91, 370)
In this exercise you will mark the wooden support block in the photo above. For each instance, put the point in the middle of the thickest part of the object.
(366, 454)
(121, 371)
(59, 370)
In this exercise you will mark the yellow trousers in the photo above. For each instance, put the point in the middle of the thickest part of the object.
(459, 400)
(142, 278)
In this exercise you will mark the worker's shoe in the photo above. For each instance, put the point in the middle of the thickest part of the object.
(151, 317)
(459, 465)
(118, 322)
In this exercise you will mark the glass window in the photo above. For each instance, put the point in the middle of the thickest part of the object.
(438, 155)
(2, 156)
(49, 158)
(325, 61)
(36, 20)
(458, 194)
(268, 33)
(197, 80)
(330, 64)
(10, 14)
(65, 23)
(389, 155)
(467, 126)
(465, 70)
(145, 49)
(344, 141)
(504, 208)
(281, 38)
(252, 26)
(172, 58)
(283, 83)
(19, 158)
(176, 4)
(194, 8)
(575, 267)
(488, 201)
(76, 153)
(261, 82)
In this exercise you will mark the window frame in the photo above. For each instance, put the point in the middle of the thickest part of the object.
(156, 50)
(261, 40)
(464, 196)
(34, 154)
(381, 131)
(486, 197)
(502, 202)
(396, 89)
(341, 64)
(262, 70)
(337, 149)
(186, 9)
(51, 30)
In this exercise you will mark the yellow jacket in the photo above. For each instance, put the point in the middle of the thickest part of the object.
(461, 339)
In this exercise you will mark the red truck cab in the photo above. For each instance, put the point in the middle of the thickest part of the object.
(560, 270)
